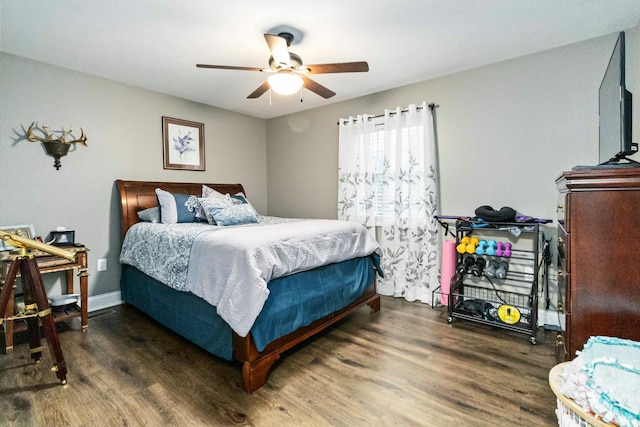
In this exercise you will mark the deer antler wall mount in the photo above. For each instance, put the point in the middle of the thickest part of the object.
(56, 145)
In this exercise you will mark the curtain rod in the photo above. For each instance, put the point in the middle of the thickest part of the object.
(431, 106)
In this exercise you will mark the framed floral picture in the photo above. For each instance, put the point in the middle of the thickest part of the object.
(25, 230)
(183, 144)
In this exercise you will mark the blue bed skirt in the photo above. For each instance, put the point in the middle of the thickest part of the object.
(294, 301)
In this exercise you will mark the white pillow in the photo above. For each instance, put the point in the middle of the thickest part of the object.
(210, 193)
(207, 193)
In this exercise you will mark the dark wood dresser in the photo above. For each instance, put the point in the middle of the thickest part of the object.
(599, 254)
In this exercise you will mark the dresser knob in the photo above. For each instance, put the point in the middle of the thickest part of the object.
(560, 207)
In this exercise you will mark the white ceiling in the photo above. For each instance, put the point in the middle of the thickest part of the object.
(155, 44)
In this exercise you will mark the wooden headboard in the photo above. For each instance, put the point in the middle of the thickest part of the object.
(138, 195)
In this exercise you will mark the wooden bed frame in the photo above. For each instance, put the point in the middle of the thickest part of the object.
(138, 195)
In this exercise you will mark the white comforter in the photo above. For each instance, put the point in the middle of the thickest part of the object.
(230, 267)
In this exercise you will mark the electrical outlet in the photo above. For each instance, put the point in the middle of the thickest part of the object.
(102, 264)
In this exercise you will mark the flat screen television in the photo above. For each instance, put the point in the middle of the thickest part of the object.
(615, 109)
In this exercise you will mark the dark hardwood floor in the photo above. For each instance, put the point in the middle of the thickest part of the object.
(403, 366)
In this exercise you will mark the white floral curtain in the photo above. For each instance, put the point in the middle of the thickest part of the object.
(387, 182)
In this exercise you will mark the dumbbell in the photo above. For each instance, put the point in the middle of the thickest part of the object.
(462, 246)
(478, 267)
(482, 245)
(507, 250)
(465, 265)
(473, 243)
(501, 271)
(491, 248)
(499, 249)
(467, 245)
(491, 269)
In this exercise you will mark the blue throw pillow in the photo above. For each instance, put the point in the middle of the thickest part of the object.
(243, 199)
(228, 211)
(207, 193)
(177, 208)
(150, 215)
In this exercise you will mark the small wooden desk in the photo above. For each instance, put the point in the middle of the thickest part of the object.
(50, 264)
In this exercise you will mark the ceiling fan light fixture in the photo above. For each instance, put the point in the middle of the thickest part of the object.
(285, 83)
(289, 75)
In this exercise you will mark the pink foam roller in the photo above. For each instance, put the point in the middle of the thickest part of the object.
(448, 269)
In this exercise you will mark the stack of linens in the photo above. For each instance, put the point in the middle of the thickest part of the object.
(604, 379)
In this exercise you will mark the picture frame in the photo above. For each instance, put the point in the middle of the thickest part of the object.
(63, 238)
(24, 230)
(183, 144)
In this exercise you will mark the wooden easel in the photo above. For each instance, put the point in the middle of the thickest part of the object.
(37, 307)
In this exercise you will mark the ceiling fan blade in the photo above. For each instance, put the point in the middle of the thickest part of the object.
(317, 88)
(339, 67)
(279, 49)
(228, 67)
(261, 90)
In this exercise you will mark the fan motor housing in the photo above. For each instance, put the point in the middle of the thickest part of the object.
(296, 62)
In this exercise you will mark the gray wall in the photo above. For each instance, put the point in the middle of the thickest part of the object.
(124, 130)
(506, 132)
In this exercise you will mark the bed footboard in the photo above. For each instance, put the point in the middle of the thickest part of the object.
(256, 365)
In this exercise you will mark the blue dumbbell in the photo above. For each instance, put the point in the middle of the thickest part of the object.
(491, 248)
(482, 244)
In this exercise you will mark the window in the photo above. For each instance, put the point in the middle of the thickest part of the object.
(398, 170)
(387, 182)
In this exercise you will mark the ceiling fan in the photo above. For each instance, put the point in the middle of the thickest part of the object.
(288, 74)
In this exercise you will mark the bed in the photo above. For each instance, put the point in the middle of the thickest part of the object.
(299, 305)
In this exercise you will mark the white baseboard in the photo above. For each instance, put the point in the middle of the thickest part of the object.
(99, 302)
